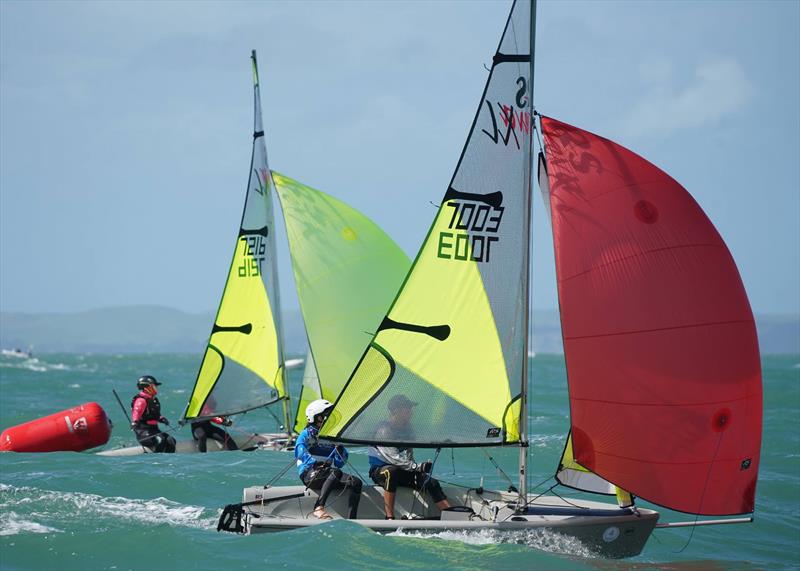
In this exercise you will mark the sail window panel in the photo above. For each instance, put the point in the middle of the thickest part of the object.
(374, 370)
(236, 390)
(660, 344)
(437, 419)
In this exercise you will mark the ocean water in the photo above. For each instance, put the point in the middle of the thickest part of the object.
(81, 511)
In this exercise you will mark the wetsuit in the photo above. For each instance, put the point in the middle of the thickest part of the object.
(145, 416)
(390, 467)
(319, 467)
(204, 429)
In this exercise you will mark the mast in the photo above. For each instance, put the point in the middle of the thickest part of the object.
(523, 415)
(258, 131)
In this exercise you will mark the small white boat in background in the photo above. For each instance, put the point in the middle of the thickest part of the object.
(18, 353)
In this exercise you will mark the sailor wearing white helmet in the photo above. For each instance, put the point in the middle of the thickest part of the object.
(319, 465)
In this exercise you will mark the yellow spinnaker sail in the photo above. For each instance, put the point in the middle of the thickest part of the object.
(347, 271)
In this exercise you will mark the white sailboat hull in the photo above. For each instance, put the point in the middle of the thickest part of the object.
(603, 528)
(265, 441)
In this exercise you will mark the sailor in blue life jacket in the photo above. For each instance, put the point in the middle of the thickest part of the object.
(390, 466)
(146, 414)
(319, 465)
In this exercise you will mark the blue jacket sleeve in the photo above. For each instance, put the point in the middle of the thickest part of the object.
(340, 459)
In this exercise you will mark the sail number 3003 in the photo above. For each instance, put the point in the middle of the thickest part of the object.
(480, 222)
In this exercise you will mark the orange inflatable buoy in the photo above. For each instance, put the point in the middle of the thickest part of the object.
(74, 429)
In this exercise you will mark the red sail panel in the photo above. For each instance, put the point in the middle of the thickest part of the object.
(659, 339)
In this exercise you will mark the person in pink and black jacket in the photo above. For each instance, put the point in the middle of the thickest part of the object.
(146, 414)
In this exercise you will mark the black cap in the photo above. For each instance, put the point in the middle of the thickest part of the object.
(146, 380)
(400, 401)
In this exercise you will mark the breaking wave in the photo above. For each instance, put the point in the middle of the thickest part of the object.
(542, 539)
(36, 510)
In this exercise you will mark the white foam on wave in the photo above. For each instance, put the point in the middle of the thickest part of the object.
(35, 365)
(74, 386)
(542, 440)
(14, 524)
(78, 505)
(541, 539)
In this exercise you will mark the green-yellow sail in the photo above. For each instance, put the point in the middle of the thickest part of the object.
(347, 271)
(454, 342)
(243, 366)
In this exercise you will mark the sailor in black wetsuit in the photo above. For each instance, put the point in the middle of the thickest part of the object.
(204, 429)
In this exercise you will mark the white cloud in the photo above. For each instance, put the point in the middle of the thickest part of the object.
(718, 89)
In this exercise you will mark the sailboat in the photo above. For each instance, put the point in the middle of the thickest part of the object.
(660, 346)
(346, 268)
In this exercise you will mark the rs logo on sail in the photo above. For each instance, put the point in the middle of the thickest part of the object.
(514, 120)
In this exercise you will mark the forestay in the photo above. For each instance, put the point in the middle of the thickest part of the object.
(659, 340)
(454, 340)
(347, 271)
(242, 368)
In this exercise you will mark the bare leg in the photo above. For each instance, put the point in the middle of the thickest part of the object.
(443, 504)
(388, 503)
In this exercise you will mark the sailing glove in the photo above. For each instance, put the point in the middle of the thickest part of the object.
(163, 420)
(426, 467)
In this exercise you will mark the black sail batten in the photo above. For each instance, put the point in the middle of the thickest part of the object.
(512, 58)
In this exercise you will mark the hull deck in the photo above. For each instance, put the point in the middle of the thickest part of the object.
(603, 528)
(273, 441)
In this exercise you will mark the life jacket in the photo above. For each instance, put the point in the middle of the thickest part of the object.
(152, 411)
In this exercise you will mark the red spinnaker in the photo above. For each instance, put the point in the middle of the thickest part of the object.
(660, 343)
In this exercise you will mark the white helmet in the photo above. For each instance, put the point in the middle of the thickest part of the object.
(317, 407)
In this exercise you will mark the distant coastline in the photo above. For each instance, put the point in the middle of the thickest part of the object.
(157, 329)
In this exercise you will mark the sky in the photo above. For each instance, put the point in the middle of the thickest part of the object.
(125, 128)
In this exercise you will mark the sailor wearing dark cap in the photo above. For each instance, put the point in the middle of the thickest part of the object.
(393, 466)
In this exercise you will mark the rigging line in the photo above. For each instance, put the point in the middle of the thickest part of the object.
(703, 495)
(272, 414)
(280, 474)
(499, 469)
(540, 483)
(566, 501)
(373, 502)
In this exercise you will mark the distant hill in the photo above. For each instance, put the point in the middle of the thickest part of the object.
(131, 329)
(156, 329)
